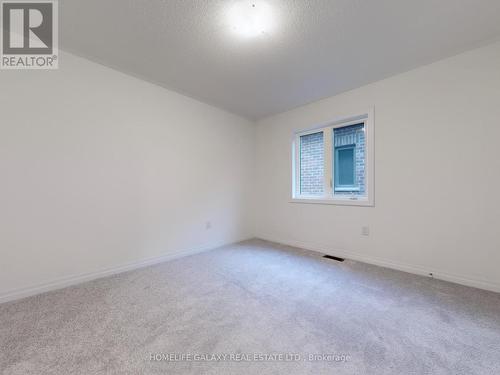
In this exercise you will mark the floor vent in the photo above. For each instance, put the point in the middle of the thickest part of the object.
(333, 258)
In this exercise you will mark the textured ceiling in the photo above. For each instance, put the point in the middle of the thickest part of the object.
(319, 47)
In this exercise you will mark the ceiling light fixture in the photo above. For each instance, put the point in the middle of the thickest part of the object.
(250, 18)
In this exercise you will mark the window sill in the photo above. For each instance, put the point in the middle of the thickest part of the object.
(334, 201)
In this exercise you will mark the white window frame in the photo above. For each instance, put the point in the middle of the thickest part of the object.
(366, 117)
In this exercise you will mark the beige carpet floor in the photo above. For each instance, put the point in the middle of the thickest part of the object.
(254, 308)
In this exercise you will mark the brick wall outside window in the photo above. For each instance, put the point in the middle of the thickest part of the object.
(312, 159)
(312, 164)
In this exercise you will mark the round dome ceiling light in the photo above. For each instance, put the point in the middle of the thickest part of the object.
(249, 18)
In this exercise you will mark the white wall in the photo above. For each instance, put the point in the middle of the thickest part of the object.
(100, 170)
(437, 173)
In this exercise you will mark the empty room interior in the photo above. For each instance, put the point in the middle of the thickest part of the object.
(250, 187)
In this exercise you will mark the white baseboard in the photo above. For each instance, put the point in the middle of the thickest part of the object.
(81, 278)
(417, 270)
(64, 282)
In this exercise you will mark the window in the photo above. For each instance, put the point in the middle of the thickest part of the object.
(334, 164)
